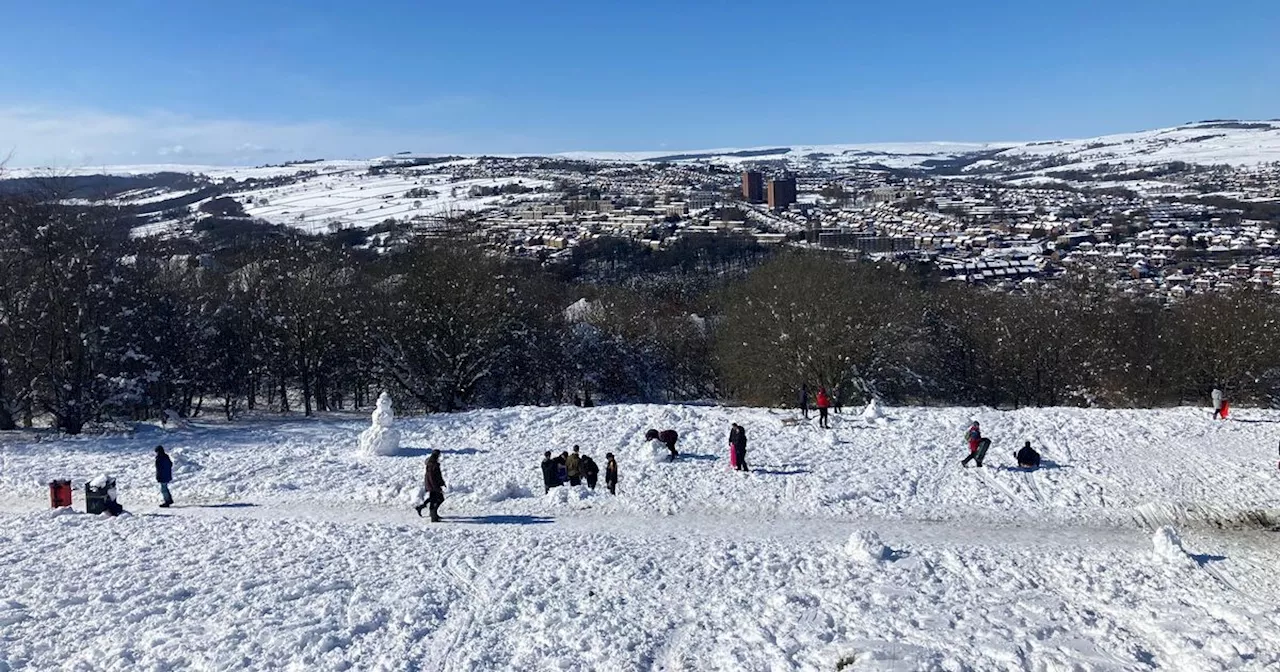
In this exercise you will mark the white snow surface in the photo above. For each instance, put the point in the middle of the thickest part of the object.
(287, 550)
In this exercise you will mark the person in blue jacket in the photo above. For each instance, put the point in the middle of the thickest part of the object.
(164, 474)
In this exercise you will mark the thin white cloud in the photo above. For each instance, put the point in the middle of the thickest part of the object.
(55, 137)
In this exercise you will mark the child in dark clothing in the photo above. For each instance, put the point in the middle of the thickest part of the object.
(611, 473)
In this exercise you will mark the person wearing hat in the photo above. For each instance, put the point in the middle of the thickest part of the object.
(611, 473)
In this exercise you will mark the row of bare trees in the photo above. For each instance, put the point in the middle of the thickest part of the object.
(876, 331)
(96, 326)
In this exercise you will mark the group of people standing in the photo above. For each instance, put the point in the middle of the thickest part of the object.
(573, 468)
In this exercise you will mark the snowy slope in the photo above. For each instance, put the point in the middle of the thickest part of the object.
(1236, 143)
(1232, 143)
(355, 198)
(891, 154)
(289, 550)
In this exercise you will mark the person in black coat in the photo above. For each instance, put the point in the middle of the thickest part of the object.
(434, 482)
(164, 474)
(590, 471)
(738, 443)
(550, 473)
(611, 473)
(1027, 457)
(562, 467)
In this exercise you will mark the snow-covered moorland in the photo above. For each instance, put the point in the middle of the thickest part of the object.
(863, 547)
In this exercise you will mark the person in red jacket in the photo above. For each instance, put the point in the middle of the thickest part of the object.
(824, 403)
(974, 437)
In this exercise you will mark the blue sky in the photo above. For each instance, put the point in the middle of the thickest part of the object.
(234, 81)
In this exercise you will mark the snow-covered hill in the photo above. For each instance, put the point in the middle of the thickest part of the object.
(1236, 143)
(321, 196)
(866, 546)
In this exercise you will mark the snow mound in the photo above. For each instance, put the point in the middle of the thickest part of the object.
(872, 411)
(172, 420)
(1168, 546)
(569, 494)
(100, 481)
(864, 546)
(510, 490)
(381, 438)
(652, 452)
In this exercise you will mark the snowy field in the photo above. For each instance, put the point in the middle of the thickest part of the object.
(866, 547)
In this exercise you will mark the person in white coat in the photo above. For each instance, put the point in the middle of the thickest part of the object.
(1217, 403)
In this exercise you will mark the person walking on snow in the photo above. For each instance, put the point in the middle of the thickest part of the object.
(974, 437)
(611, 473)
(824, 403)
(804, 401)
(573, 466)
(738, 444)
(1027, 457)
(164, 474)
(434, 481)
(590, 471)
(1218, 404)
(550, 475)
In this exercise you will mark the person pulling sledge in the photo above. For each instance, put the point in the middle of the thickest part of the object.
(1219, 405)
(976, 452)
(666, 437)
(434, 481)
(1027, 457)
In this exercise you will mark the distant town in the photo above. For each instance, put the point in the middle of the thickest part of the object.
(1165, 213)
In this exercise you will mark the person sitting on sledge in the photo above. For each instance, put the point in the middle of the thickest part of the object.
(1027, 457)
